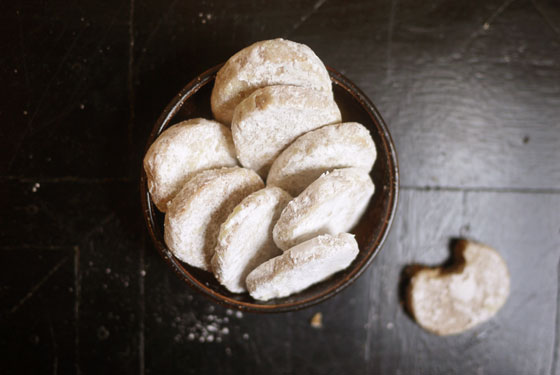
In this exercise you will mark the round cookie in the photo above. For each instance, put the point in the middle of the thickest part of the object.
(183, 150)
(448, 301)
(194, 216)
(266, 63)
(331, 204)
(245, 239)
(273, 117)
(333, 146)
(301, 266)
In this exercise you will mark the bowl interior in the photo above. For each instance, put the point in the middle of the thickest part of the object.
(371, 231)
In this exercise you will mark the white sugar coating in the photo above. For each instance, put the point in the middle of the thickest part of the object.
(245, 238)
(183, 150)
(271, 118)
(452, 301)
(332, 204)
(266, 63)
(195, 214)
(302, 266)
(333, 146)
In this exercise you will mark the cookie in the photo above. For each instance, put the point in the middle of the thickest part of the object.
(302, 266)
(245, 238)
(331, 204)
(266, 63)
(333, 146)
(183, 150)
(451, 300)
(194, 216)
(273, 117)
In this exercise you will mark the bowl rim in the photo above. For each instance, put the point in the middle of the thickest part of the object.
(148, 207)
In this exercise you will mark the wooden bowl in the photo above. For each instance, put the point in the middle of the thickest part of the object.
(371, 231)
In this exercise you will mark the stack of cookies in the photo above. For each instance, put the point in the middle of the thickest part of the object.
(276, 121)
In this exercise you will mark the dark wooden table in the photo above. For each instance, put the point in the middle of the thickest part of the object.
(470, 91)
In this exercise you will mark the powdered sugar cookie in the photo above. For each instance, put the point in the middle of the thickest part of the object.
(183, 150)
(245, 239)
(273, 117)
(333, 146)
(194, 216)
(451, 300)
(331, 204)
(302, 266)
(266, 63)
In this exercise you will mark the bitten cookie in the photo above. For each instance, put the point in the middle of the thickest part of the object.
(333, 146)
(245, 239)
(183, 150)
(448, 301)
(302, 266)
(266, 63)
(273, 117)
(194, 216)
(331, 204)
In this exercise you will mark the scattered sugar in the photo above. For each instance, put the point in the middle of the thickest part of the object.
(208, 328)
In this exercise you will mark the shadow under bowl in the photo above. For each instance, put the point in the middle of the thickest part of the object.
(371, 231)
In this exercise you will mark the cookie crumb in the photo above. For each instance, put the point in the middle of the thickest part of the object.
(317, 320)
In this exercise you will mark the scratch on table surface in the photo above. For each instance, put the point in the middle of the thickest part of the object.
(57, 72)
(486, 25)
(42, 98)
(465, 227)
(142, 309)
(44, 95)
(255, 350)
(369, 325)
(546, 19)
(306, 16)
(32, 247)
(22, 47)
(391, 29)
(77, 298)
(131, 98)
(55, 346)
(288, 347)
(556, 346)
(101, 224)
(36, 287)
(66, 179)
(481, 189)
(155, 30)
(497, 12)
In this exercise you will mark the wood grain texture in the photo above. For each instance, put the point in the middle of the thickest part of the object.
(470, 91)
